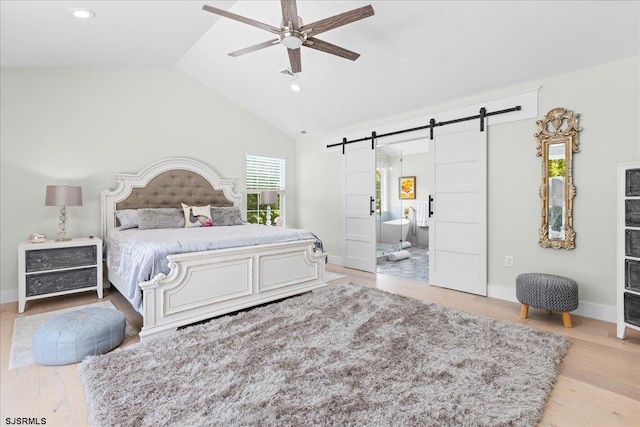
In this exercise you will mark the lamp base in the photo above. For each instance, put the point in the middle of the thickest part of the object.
(62, 227)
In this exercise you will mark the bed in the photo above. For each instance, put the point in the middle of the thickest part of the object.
(182, 275)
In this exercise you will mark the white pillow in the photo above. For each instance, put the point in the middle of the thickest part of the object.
(197, 216)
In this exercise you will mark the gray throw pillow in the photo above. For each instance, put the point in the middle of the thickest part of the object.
(222, 216)
(128, 218)
(152, 218)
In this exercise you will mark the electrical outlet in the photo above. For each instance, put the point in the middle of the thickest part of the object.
(508, 261)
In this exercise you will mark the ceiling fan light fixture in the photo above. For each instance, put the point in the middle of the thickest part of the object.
(292, 39)
(82, 13)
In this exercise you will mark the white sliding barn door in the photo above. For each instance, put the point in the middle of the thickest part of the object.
(359, 202)
(458, 226)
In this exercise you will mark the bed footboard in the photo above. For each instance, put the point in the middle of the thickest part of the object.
(202, 285)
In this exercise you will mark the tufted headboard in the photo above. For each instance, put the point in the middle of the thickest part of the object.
(167, 184)
(173, 187)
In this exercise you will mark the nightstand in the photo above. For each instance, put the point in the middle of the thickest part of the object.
(53, 268)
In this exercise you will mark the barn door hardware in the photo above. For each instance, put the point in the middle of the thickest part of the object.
(432, 123)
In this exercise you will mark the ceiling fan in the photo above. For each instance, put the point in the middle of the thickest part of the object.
(293, 34)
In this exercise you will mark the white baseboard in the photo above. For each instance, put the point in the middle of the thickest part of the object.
(333, 259)
(502, 292)
(608, 313)
(10, 295)
(586, 309)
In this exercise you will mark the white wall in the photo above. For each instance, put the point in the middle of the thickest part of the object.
(607, 98)
(82, 126)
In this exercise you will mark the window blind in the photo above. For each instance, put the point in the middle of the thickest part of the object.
(265, 173)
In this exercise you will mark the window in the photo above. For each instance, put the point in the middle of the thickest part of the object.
(382, 177)
(265, 174)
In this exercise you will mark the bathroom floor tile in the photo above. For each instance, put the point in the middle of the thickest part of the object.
(416, 267)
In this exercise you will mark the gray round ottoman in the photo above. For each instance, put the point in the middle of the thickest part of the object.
(72, 336)
(549, 292)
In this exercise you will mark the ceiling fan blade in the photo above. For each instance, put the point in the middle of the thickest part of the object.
(339, 20)
(242, 19)
(295, 60)
(255, 47)
(289, 14)
(323, 46)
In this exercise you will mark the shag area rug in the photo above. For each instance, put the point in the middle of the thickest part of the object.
(342, 356)
(25, 327)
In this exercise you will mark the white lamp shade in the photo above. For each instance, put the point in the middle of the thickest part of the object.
(63, 195)
(268, 197)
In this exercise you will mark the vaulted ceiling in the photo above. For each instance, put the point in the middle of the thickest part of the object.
(414, 54)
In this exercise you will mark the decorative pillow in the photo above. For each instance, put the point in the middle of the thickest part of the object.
(226, 216)
(128, 218)
(151, 218)
(197, 216)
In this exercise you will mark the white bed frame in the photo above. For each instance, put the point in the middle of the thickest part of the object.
(202, 285)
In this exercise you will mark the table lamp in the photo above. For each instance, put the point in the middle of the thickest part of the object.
(268, 198)
(63, 196)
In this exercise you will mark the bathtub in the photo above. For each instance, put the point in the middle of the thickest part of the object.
(394, 230)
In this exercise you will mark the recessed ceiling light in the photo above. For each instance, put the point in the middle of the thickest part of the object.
(82, 13)
(296, 88)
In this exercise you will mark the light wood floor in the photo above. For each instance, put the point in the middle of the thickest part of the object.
(599, 382)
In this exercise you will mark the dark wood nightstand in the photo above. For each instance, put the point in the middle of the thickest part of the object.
(53, 268)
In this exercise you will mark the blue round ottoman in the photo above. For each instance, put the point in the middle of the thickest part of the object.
(549, 292)
(72, 336)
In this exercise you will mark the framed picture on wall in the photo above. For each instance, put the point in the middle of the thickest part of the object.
(407, 187)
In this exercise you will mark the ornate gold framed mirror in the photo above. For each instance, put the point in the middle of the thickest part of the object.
(558, 138)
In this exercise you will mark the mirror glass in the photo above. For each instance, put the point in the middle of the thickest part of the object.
(557, 141)
(556, 183)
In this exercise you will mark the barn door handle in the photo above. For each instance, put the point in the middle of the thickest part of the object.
(430, 206)
(371, 209)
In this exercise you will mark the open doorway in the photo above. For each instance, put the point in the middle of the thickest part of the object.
(402, 229)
